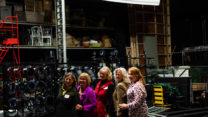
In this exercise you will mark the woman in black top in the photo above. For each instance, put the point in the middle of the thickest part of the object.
(68, 97)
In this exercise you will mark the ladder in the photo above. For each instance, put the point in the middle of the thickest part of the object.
(9, 26)
(9, 29)
(60, 31)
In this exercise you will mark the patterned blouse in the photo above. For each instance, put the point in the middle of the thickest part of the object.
(136, 101)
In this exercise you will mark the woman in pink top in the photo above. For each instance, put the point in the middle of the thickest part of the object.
(87, 102)
(136, 95)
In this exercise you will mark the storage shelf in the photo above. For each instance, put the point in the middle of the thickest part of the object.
(53, 47)
(67, 26)
(30, 23)
(90, 28)
(33, 47)
(37, 47)
(82, 48)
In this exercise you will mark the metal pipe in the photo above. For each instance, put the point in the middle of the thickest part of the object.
(64, 31)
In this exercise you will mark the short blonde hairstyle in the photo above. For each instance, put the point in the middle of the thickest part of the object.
(107, 71)
(124, 74)
(86, 76)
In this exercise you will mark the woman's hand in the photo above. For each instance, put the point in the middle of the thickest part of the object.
(78, 107)
(123, 106)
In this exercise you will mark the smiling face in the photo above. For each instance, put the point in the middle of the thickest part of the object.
(103, 75)
(83, 82)
(68, 81)
(133, 78)
(119, 76)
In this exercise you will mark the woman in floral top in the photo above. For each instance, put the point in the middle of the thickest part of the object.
(136, 95)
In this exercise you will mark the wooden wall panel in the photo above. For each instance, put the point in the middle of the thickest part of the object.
(151, 21)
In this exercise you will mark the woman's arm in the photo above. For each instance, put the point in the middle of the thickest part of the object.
(92, 101)
(110, 105)
(121, 95)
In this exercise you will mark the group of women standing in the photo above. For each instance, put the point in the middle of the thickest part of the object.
(123, 98)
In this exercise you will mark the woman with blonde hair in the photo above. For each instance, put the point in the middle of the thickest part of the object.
(87, 102)
(119, 94)
(136, 95)
(103, 91)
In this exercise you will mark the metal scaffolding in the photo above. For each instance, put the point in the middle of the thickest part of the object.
(60, 31)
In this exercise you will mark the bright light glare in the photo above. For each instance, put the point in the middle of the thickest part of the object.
(140, 2)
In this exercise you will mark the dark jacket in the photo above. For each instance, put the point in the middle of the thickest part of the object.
(66, 103)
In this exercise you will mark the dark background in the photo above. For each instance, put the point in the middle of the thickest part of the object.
(189, 29)
(188, 26)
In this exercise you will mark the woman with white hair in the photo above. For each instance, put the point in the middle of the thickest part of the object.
(119, 94)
